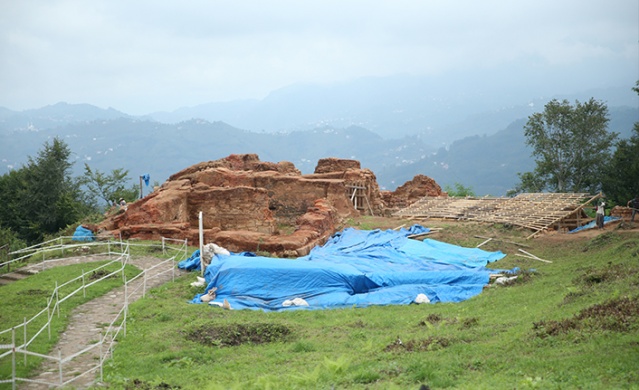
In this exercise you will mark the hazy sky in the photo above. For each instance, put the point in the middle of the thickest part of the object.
(143, 56)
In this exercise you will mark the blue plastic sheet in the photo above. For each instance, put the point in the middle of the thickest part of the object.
(593, 224)
(354, 268)
(82, 234)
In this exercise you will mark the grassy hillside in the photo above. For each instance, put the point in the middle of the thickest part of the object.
(572, 323)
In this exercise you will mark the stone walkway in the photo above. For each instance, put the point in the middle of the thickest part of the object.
(89, 320)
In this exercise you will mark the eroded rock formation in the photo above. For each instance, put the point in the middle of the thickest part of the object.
(251, 205)
(412, 191)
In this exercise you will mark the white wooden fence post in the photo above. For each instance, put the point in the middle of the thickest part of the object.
(60, 364)
(101, 357)
(49, 315)
(201, 244)
(126, 307)
(13, 357)
(24, 326)
(57, 298)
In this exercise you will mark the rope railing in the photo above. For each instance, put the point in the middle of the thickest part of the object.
(61, 246)
(107, 338)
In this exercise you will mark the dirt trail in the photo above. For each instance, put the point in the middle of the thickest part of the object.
(87, 323)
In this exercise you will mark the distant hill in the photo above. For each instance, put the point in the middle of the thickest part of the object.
(487, 163)
(393, 107)
(398, 126)
(163, 149)
(56, 115)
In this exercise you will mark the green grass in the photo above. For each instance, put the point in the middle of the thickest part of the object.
(498, 339)
(26, 298)
(572, 323)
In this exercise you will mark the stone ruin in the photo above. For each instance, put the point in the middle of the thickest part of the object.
(251, 205)
(411, 191)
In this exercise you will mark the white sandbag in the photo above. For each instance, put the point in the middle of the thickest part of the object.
(295, 302)
(422, 298)
(504, 280)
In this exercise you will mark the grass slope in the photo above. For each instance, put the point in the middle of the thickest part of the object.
(23, 299)
(572, 323)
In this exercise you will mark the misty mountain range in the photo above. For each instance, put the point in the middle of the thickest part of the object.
(397, 127)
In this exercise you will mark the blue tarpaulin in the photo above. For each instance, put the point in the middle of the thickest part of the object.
(82, 234)
(593, 224)
(354, 268)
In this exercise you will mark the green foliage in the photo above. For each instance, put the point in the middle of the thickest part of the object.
(459, 190)
(41, 197)
(29, 296)
(528, 182)
(9, 241)
(571, 146)
(108, 187)
(620, 183)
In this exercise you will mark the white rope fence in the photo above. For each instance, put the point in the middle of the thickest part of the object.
(116, 327)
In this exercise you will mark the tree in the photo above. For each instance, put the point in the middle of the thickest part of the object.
(571, 146)
(459, 191)
(621, 181)
(109, 187)
(41, 197)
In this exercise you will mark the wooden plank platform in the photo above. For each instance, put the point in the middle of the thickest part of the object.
(535, 211)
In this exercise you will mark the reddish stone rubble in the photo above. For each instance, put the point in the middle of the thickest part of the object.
(411, 191)
(622, 212)
(245, 204)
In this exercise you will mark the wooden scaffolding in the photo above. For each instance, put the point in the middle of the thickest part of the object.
(358, 193)
(535, 211)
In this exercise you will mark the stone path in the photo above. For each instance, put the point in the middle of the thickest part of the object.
(87, 323)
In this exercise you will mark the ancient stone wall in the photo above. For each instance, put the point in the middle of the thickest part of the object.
(243, 201)
(231, 208)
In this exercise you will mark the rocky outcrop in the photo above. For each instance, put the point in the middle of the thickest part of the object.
(411, 191)
(243, 202)
(250, 205)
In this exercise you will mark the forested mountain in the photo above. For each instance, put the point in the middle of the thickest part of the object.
(398, 127)
(56, 115)
(393, 107)
(487, 163)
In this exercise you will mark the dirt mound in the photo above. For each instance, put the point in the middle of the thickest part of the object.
(411, 191)
(615, 315)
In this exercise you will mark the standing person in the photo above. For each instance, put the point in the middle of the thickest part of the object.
(601, 212)
(123, 204)
(634, 204)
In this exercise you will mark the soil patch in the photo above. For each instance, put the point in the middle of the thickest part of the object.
(610, 273)
(436, 319)
(137, 384)
(431, 343)
(238, 334)
(616, 315)
(34, 292)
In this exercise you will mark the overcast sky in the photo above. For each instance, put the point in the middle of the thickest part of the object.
(145, 56)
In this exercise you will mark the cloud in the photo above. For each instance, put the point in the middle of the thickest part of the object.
(143, 56)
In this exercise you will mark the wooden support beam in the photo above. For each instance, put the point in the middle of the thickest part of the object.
(530, 255)
(506, 241)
